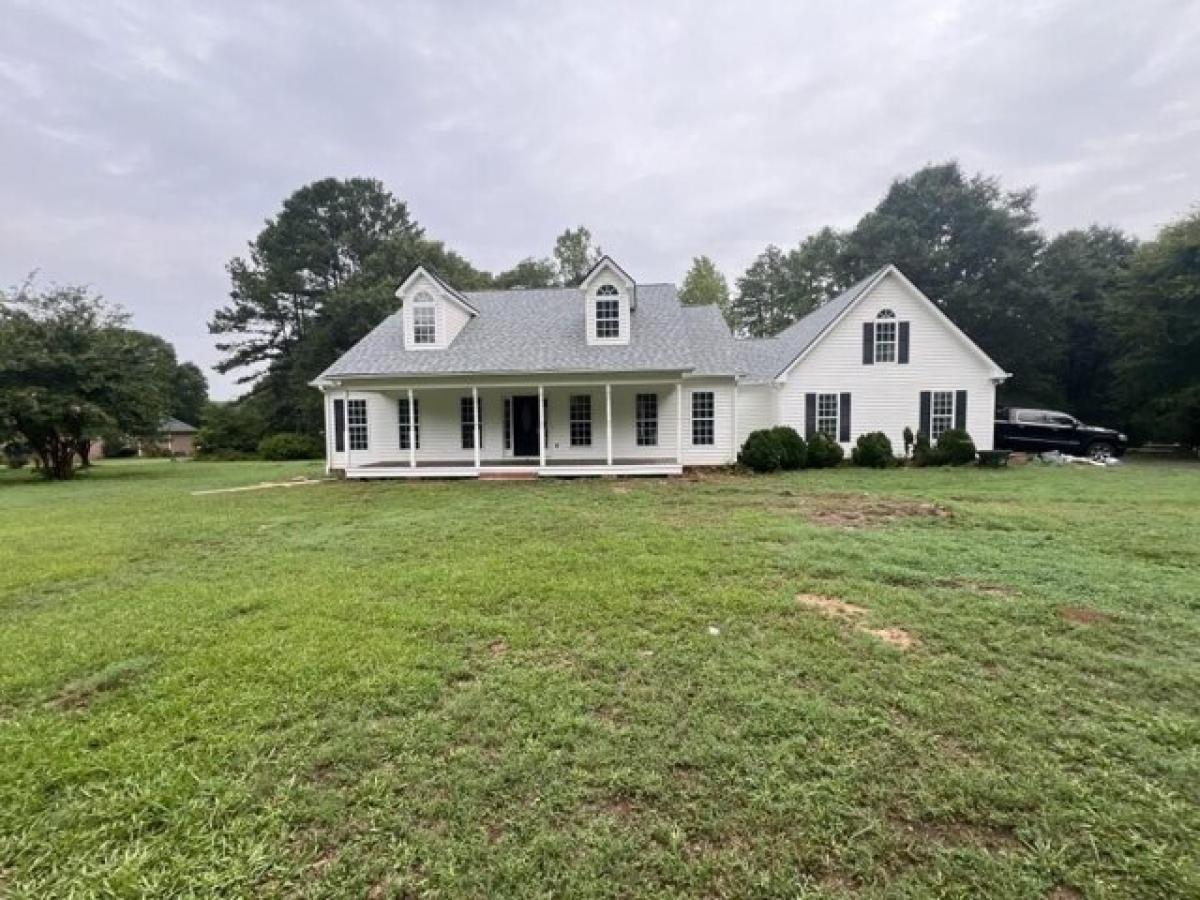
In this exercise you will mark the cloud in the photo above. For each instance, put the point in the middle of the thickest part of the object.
(145, 143)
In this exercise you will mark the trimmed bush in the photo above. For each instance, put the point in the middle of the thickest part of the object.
(923, 454)
(793, 450)
(955, 448)
(762, 452)
(823, 451)
(873, 450)
(287, 445)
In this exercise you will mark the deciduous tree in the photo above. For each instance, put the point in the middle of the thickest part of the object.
(1077, 273)
(69, 368)
(575, 255)
(1154, 315)
(704, 284)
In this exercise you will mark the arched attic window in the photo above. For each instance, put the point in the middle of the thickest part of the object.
(608, 312)
(424, 319)
(885, 336)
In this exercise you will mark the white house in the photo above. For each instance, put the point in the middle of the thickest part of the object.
(616, 377)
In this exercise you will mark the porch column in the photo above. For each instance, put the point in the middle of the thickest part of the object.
(608, 421)
(412, 435)
(329, 445)
(733, 444)
(346, 427)
(679, 423)
(541, 426)
(475, 418)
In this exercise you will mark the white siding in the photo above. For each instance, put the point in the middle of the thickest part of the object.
(451, 317)
(755, 409)
(886, 396)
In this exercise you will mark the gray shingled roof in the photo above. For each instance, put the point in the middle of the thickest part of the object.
(171, 425)
(536, 331)
(542, 330)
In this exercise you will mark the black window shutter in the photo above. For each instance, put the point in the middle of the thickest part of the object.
(339, 426)
(923, 426)
(960, 410)
(902, 349)
(810, 415)
(844, 424)
(868, 343)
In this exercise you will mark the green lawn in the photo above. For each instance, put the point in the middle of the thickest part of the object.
(601, 688)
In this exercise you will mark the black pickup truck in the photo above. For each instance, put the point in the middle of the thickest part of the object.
(1042, 430)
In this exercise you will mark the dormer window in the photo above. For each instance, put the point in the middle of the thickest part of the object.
(424, 319)
(608, 312)
(885, 336)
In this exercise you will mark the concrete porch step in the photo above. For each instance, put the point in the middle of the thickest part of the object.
(500, 475)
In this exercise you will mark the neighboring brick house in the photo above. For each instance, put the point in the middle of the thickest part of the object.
(177, 438)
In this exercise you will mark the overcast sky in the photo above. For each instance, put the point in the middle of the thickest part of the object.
(143, 143)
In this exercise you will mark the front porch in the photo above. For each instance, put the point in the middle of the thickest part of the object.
(564, 429)
(556, 468)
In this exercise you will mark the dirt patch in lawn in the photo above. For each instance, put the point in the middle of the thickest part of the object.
(619, 807)
(82, 692)
(857, 510)
(1081, 615)
(835, 608)
(832, 606)
(958, 834)
(897, 637)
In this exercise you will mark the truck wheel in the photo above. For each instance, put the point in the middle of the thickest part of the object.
(1101, 450)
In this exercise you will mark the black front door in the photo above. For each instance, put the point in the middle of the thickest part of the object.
(525, 426)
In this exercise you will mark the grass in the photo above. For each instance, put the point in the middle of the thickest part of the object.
(601, 688)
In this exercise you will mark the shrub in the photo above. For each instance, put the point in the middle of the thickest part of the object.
(909, 440)
(793, 450)
(16, 456)
(289, 445)
(152, 449)
(955, 448)
(823, 451)
(923, 454)
(762, 452)
(234, 427)
(873, 450)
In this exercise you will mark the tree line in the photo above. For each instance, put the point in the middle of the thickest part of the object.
(1091, 320)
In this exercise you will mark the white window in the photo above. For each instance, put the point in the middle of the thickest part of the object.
(703, 418)
(885, 336)
(827, 414)
(646, 419)
(469, 413)
(941, 413)
(581, 420)
(416, 423)
(608, 312)
(356, 421)
(424, 316)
